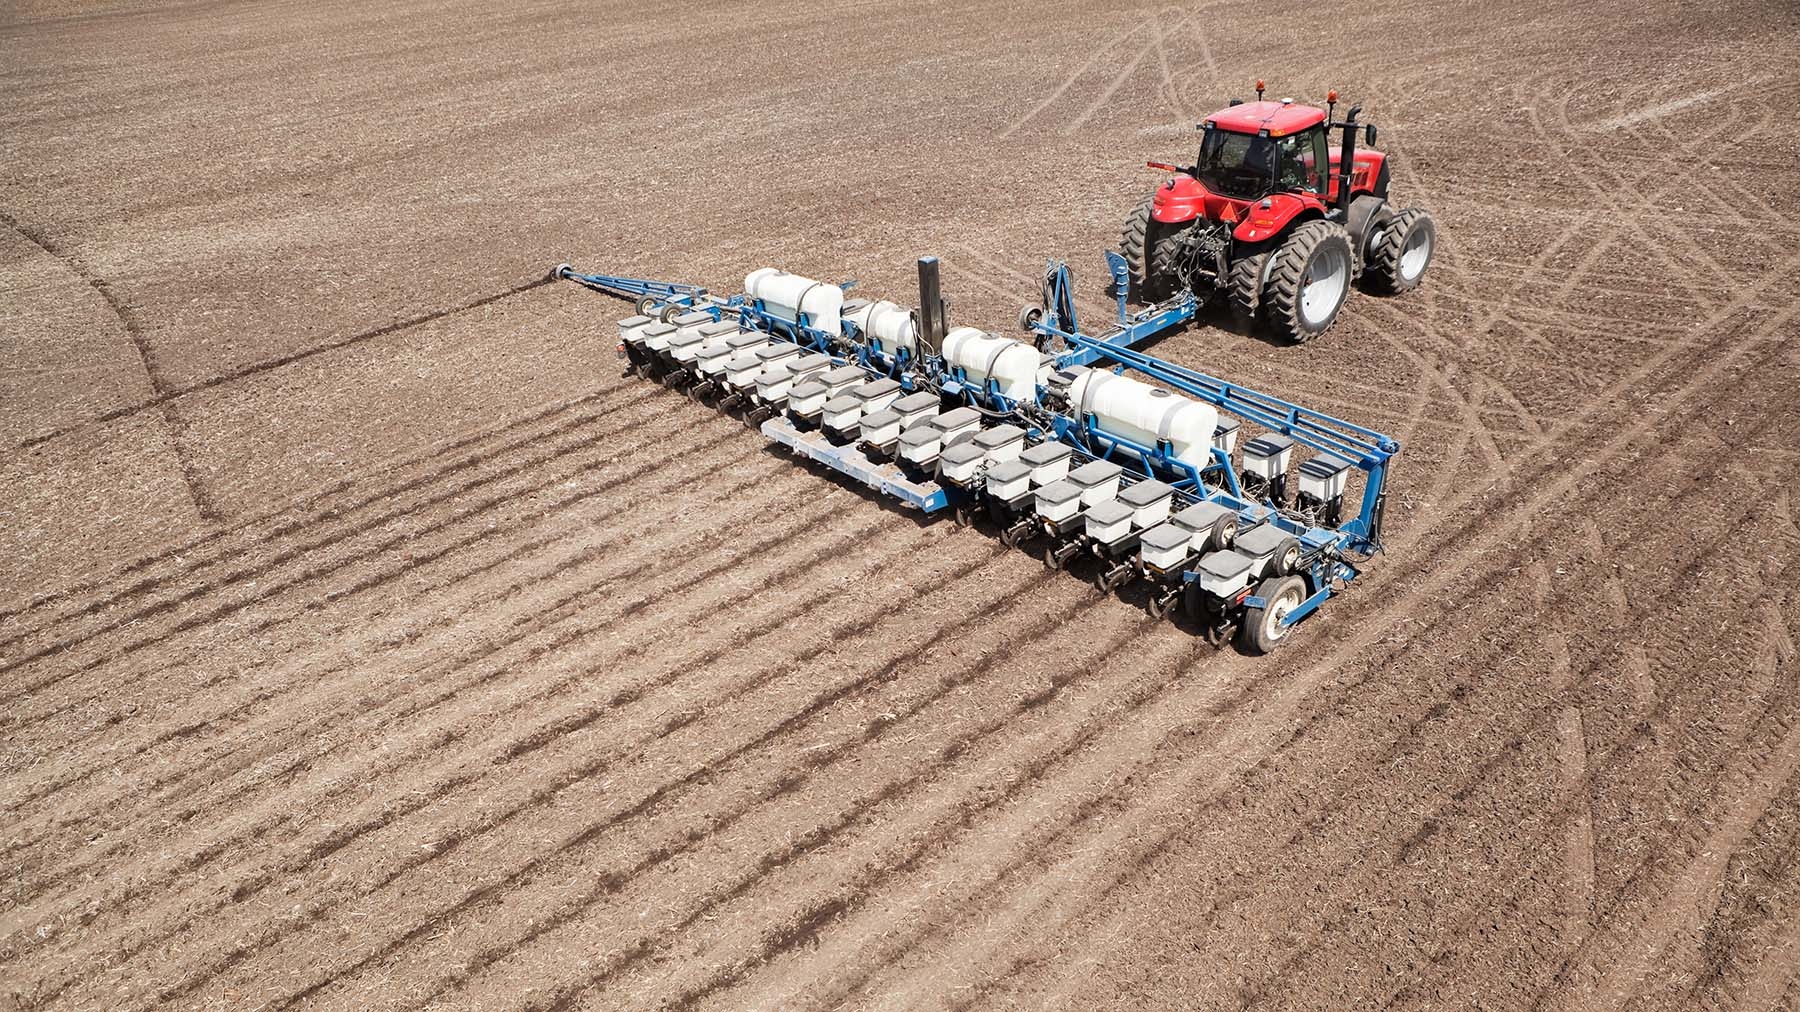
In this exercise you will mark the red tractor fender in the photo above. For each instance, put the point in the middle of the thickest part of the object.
(1179, 199)
(1271, 216)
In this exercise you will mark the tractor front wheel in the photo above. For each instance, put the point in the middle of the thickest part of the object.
(1310, 279)
(1401, 251)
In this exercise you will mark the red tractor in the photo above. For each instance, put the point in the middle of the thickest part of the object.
(1263, 218)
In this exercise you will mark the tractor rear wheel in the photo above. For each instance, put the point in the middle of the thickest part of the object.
(1309, 282)
(1247, 277)
(1134, 244)
(1138, 242)
(1262, 630)
(1401, 251)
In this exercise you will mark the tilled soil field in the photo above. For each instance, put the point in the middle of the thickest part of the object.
(368, 642)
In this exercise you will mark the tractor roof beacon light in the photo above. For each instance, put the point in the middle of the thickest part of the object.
(1259, 89)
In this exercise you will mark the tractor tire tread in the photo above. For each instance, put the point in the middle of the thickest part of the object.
(1132, 244)
(1281, 295)
(1246, 285)
(1383, 273)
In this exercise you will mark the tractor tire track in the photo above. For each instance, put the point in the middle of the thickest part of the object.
(205, 504)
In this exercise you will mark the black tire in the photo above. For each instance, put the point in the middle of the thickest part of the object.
(1402, 252)
(1051, 562)
(1134, 241)
(1260, 632)
(965, 517)
(1190, 600)
(1247, 285)
(1163, 280)
(1316, 254)
(1138, 244)
(645, 305)
(1009, 537)
(1030, 315)
(1161, 606)
(1286, 560)
(1223, 533)
(1364, 218)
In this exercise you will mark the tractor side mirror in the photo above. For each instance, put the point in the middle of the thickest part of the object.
(1369, 134)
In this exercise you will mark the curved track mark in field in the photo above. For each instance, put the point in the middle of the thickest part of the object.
(204, 503)
(306, 576)
(1569, 140)
(300, 524)
(245, 523)
(166, 395)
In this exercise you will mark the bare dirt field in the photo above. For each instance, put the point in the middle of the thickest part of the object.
(367, 642)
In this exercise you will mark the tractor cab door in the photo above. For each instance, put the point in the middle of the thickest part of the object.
(1305, 162)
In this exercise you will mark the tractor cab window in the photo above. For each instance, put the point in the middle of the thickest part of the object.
(1236, 165)
(1305, 162)
(1248, 166)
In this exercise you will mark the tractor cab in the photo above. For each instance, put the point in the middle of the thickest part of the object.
(1251, 150)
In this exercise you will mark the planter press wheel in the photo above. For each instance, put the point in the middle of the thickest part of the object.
(1105, 583)
(1163, 605)
(1051, 562)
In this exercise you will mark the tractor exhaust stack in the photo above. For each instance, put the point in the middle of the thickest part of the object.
(1347, 155)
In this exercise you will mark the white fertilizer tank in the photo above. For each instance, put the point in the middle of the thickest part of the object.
(791, 294)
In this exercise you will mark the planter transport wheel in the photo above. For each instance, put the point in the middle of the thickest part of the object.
(1262, 630)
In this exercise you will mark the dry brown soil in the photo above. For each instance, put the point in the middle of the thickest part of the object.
(367, 642)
